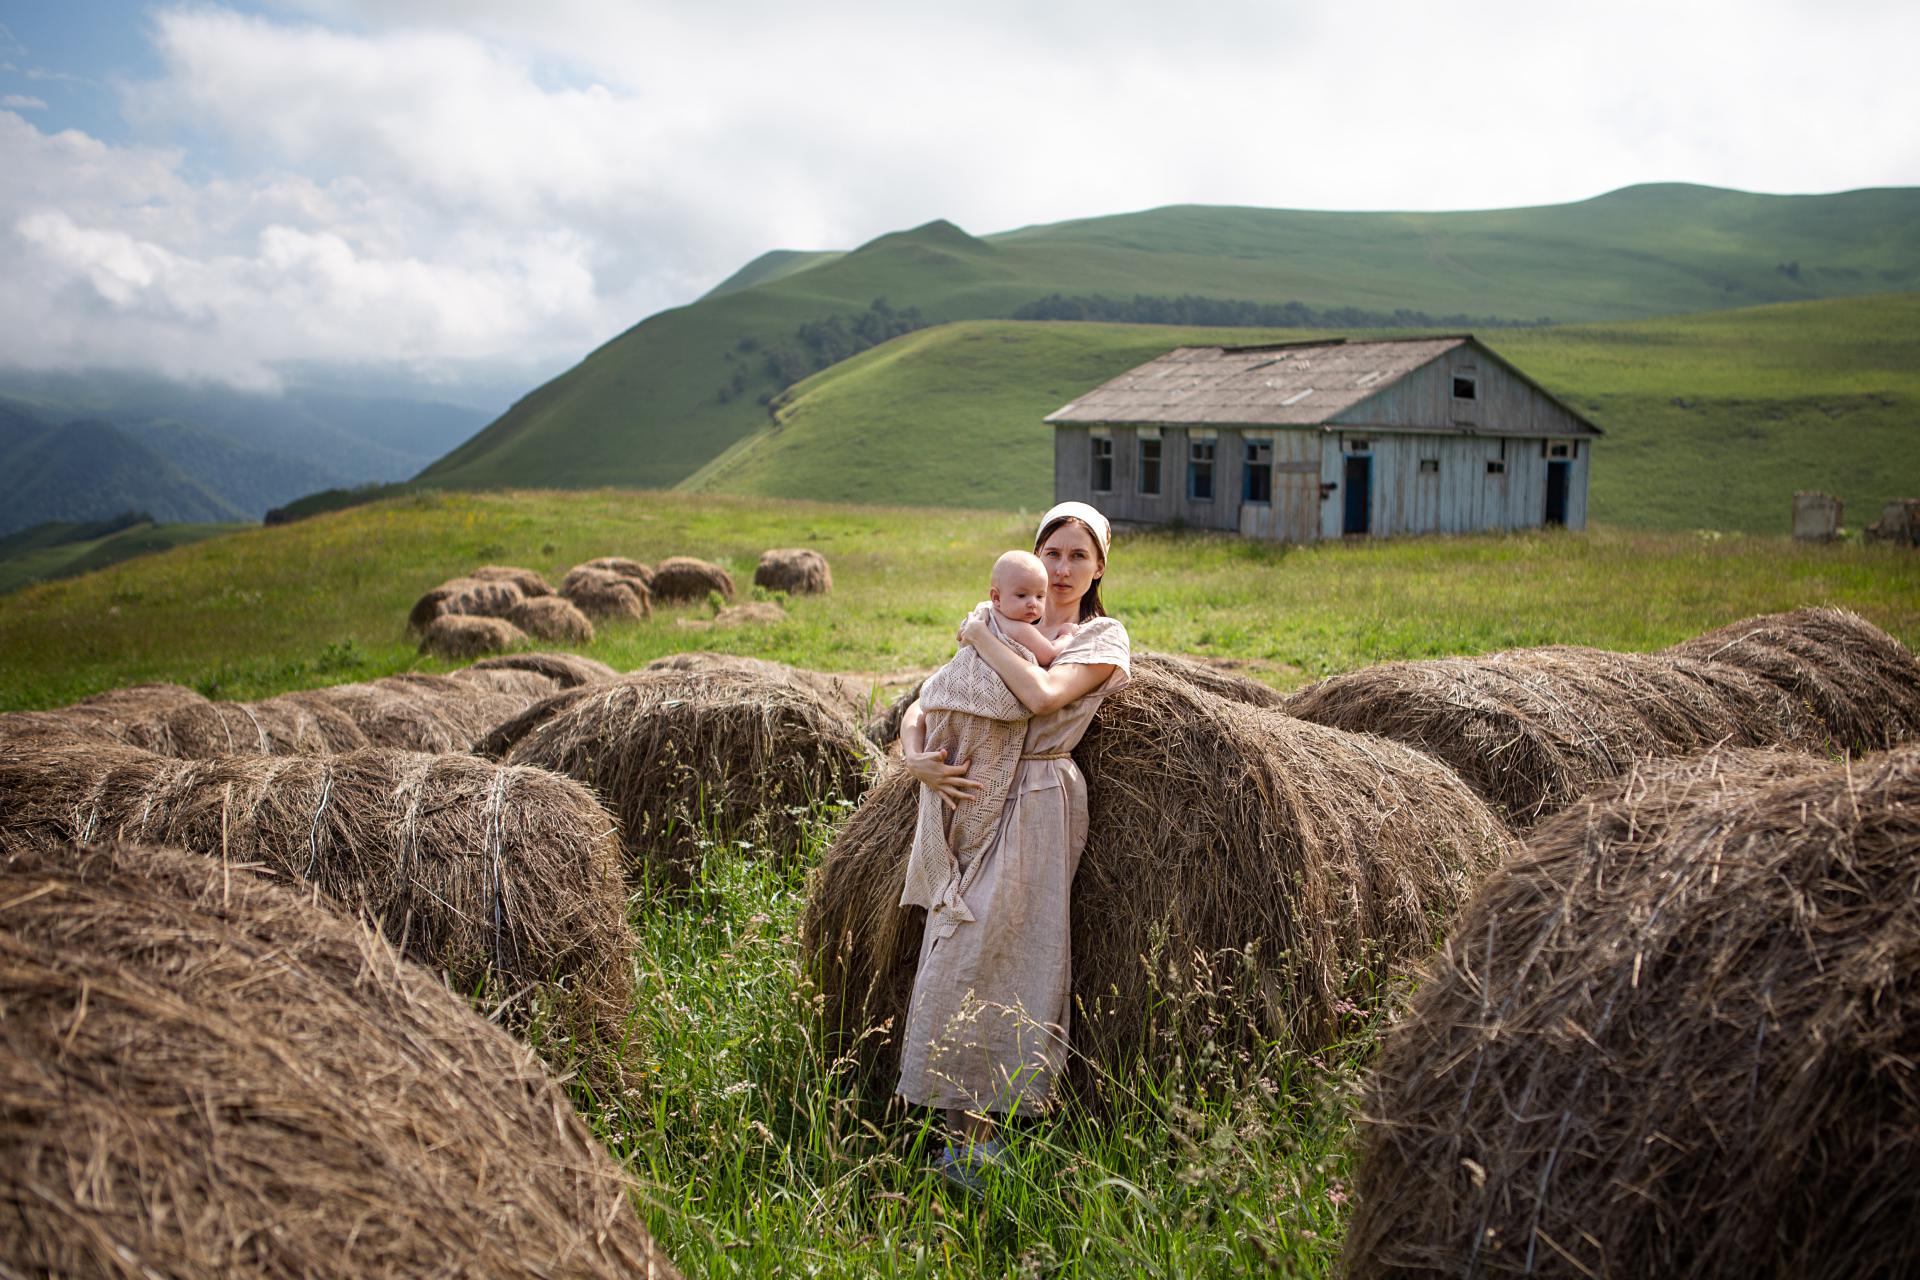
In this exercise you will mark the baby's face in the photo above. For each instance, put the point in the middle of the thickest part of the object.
(1020, 593)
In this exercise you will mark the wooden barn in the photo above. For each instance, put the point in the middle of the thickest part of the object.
(1311, 440)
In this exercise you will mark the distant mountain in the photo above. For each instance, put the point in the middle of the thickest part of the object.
(199, 453)
(659, 402)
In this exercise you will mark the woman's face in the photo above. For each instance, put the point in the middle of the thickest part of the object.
(1073, 561)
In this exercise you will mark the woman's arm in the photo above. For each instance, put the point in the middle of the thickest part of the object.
(1039, 691)
(948, 781)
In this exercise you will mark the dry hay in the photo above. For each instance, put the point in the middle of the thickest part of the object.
(513, 682)
(844, 692)
(468, 597)
(883, 729)
(623, 567)
(681, 578)
(1676, 1038)
(1533, 729)
(600, 594)
(453, 635)
(419, 712)
(289, 724)
(487, 872)
(1208, 678)
(794, 570)
(531, 584)
(552, 618)
(674, 754)
(752, 613)
(566, 670)
(136, 715)
(1862, 683)
(206, 1075)
(1215, 829)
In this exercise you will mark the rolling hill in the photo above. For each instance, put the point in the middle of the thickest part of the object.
(657, 403)
(1712, 420)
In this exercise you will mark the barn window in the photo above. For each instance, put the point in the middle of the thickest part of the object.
(1103, 464)
(1358, 446)
(1430, 466)
(1556, 449)
(1200, 470)
(1463, 388)
(1149, 476)
(1495, 467)
(1256, 478)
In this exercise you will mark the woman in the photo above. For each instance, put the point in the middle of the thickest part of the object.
(987, 1025)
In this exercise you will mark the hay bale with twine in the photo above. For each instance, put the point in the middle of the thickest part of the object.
(502, 876)
(453, 635)
(676, 754)
(1223, 842)
(467, 597)
(552, 618)
(136, 715)
(623, 567)
(566, 670)
(531, 584)
(207, 1075)
(1534, 729)
(678, 579)
(795, 570)
(418, 711)
(600, 594)
(1862, 683)
(283, 725)
(1207, 678)
(844, 692)
(514, 682)
(1677, 1037)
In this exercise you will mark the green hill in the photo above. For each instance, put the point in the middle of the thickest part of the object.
(657, 403)
(1712, 421)
(64, 549)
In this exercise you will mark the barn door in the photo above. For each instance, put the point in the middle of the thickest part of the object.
(1358, 483)
(1559, 473)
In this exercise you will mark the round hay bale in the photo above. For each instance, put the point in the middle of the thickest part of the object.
(552, 618)
(207, 1075)
(278, 726)
(1533, 729)
(678, 579)
(753, 613)
(794, 570)
(622, 567)
(493, 874)
(531, 584)
(453, 635)
(468, 597)
(522, 685)
(1208, 678)
(417, 711)
(677, 754)
(600, 594)
(566, 670)
(1221, 840)
(1676, 1037)
(844, 692)
(1862, 683)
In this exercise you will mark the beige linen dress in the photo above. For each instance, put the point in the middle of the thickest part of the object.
(987, 1024)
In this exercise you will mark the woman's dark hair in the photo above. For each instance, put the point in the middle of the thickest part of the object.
(1090, 602)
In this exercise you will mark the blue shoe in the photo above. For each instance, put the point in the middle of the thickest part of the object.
(965, 1167)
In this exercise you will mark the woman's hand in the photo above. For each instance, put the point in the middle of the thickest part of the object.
(948, 781)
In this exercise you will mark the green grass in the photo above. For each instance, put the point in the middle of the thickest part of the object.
(1712, 421)
(25, 559)
(326, 599)
(642, 409)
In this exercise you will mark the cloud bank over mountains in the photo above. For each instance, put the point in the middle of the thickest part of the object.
(448, 187)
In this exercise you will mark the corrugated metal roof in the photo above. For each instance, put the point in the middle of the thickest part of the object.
(1297, 385)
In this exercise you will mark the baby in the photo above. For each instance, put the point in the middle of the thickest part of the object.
(1018, 591)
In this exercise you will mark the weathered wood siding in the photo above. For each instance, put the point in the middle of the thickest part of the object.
(1460, 493)
(1424, 400)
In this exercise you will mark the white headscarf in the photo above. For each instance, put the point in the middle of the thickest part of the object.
(1086, 515)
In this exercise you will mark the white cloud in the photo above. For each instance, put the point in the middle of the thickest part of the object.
(21, 102)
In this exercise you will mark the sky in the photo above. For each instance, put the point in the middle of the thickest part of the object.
(468, 193)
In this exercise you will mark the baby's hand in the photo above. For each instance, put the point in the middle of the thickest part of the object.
(1066, 632)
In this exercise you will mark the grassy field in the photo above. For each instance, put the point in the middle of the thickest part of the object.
(757, 1152)
(48, 552)
(643, 408)
(1814, 395)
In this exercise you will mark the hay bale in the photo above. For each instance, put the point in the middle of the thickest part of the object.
(1533, 729)
(1675, 1038)
(622, 567)
(278, 726)
(1862, 683)
(1331, 855)
(794, 570)
(531, 584)
(514, 682)
(681, 578)
(417, 711)
(883, 729)
(753, 613)
(674, 754)
(600, 594)
(567, 670)
(206, 1075)
(845, 692)
(453, 635)
(465, 597)
(492, 874)
(1208, 677)
(552, 618)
